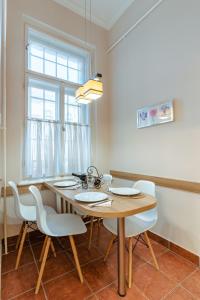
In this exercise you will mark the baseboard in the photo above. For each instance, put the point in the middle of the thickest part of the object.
(175, 248)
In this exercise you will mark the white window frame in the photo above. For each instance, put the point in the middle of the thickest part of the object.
(63, 84)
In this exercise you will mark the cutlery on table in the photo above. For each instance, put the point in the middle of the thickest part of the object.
(71, 188)
(100, 202)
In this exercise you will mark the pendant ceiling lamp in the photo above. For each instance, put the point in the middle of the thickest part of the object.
(93, 88)
(79, 95)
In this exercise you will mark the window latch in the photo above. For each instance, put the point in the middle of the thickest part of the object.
(27, 45)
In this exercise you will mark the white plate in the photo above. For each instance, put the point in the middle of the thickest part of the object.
(91, 197)
(124, 191)
(63, 184)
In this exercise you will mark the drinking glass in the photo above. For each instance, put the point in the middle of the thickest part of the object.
(107, 178)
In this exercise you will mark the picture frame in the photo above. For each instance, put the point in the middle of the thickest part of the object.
(155, 114)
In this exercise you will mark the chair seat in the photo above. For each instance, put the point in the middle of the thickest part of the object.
(133, 225)
(29, 212)
(65, 224)
(147, 216)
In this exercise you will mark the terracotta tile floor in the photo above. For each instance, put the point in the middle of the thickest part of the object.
(178, 279)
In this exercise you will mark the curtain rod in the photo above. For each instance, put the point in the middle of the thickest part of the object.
(134, 26)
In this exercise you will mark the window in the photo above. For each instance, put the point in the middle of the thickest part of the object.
(57, 133)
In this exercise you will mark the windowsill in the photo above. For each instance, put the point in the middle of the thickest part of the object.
(35, 181)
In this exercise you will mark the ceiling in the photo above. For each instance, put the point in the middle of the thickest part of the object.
(104, 12)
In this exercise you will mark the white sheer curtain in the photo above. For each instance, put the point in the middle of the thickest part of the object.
(42, 149)
(77, 148)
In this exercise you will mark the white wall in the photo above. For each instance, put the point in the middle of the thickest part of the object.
(159, 61)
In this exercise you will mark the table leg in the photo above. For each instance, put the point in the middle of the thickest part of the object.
(121, 257)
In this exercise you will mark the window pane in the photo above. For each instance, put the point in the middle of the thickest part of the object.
(50, 55)
(72, 100)
(49, 110)
(81, 77)
(72, 114)
(84, 114)
(50, 68)
(36, 108)
(56, 62)
(50, 95)
(35, 92)
(46, 105)
(62, 72)
(72, 75)
(36, 64)
(62, 60)
(73, 63)
(37, 50)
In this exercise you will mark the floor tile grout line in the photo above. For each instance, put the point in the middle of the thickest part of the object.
(106, 286)
(185, 259)
(91, 261)
(143, 294)
(162, 272)
(59, 276)
(171, 291)
(187, 277)
(21, 294)
(157, 256)
(11, 251)
(179, 285)
(25, 246)
(165, 274)
(187, 291)
(20, 267)
(113, 282)
(89, 287)
(71, 271)
(45, 295)
(89, 297)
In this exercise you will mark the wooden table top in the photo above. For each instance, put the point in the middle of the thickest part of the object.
(122, 206)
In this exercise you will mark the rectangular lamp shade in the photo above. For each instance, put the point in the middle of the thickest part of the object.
(93, 89)
(79, 95)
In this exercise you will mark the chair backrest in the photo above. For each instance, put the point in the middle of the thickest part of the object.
(145, 186)
(41, 215)
(149, 188)
(107, 178)
(18, 205)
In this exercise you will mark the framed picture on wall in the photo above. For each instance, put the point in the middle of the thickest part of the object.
(155, 114)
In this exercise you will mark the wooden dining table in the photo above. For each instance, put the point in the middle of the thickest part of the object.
(122, 207)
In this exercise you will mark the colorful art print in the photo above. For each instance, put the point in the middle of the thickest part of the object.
(155, 114)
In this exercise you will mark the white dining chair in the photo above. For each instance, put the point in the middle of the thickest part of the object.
(135, 226)
(27, 214)
(56, 225)
(82, 214)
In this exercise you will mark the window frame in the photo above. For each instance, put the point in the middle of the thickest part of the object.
(62, 85)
